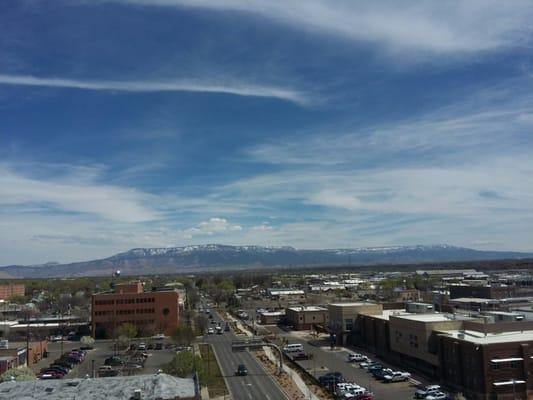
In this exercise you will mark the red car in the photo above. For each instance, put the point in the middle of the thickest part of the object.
(50, 374)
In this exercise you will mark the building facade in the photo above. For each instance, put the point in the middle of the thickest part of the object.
(305, 317)
(155, 311)
(11, 289)
(488, 366)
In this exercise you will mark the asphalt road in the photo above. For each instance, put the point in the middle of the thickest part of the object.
(257, 385)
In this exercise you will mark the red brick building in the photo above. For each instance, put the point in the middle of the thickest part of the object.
(11, 289)
(155, 311)
(488, 366)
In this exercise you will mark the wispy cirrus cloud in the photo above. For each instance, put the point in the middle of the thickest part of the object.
(197, 86)
(434, 27)
(75, 192)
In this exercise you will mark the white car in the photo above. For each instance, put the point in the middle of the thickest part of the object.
(427, 391)
(142, 346)
(437, 396)
(210, 331)
(356, 357)
(159, 336)
(365, 363)
(355, 393)
(397, 376)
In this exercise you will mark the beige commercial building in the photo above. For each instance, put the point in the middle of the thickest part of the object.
(305, 317)
(343, 317)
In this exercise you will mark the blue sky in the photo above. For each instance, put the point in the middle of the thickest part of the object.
(317, 124)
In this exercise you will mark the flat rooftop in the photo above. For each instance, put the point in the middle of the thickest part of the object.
(153, 387)
(357, 304)
(307, 308)
(433, 317)
(385, 315)
(489, 338)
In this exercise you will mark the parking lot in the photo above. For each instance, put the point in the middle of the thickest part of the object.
(103, 349)
(326, 360)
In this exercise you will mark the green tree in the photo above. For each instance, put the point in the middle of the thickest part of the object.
(87, 341)
(185, 364)
(19, 374)
(183, 335)
(128, 330)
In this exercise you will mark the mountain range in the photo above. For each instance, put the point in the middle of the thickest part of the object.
(146, 261)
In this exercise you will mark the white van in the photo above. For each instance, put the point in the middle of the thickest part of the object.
(293, 348)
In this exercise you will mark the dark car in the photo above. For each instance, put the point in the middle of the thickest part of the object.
(113, 361)
(331, 378)
(374, 367)
(159, 346)
(226, 328)
(59, 368)
(241, 370)
(302, 356)
(379, 374)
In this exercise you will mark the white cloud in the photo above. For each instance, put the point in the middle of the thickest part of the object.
(235, 88)
(211, 227)
(75, 192)
(436, 27)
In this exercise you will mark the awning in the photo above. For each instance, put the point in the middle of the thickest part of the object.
(508, 383)
(501, 360)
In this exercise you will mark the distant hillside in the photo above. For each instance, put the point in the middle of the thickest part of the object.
(218, 257)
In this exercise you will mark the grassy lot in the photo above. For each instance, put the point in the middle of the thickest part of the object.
(217, 385)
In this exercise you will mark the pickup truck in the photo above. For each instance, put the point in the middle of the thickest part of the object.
(397, 376)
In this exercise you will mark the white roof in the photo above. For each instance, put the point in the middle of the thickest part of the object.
(430, 317)
(490, 338)
(307, 308)
(153, 387)
(359, 304)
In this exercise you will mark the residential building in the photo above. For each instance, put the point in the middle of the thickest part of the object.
(155, 311)
(306, 317)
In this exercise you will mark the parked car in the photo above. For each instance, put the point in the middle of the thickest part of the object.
(50, 375)
(365, 363)
(241, 370)
(437, 396)
(59, 368)
(379, 374)
(367, 366)
(356, 357)
(331, 378)
(114, 361)
(226, 328)
(397, 376)
(373, 367)
(210, 331)
(428, 390)
(142, 346)
(159, 346)
(302, 356)
(159, 336)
